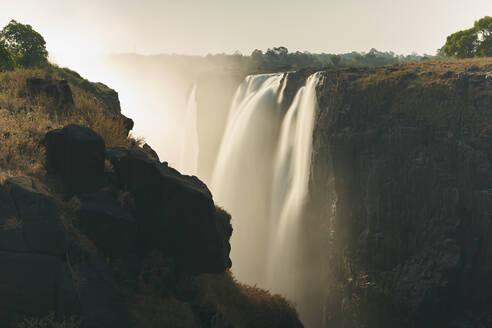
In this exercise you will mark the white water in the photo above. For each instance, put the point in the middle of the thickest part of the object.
(262, 176)
(242, 178)
(290, 190)
(188, 162)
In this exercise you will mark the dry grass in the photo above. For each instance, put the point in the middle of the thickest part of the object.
(244, 306)
(153, 305)
(49, 322)
(25, 119)
(12, 224)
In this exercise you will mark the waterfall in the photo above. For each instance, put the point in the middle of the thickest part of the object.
(262, 177)
(189, 150)
(242, 178)
(290, 189)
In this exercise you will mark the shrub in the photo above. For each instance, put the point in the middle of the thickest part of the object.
(244, 306)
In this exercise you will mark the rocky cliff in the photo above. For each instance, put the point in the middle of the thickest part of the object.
(401, 195)
(96, 231)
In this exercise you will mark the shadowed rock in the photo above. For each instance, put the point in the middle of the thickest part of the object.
(76, 154)
(34, 279)
(175, 213)
(30, 219)
(104, 221)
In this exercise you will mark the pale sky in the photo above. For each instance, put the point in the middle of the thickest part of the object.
(75, 29)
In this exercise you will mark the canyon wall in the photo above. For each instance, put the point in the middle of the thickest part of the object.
(399, 217)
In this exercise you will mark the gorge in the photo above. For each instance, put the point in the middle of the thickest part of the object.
(376, 216)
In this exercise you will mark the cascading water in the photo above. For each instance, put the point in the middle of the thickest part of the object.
(261, 177)
(242, 176)
(189, 149)
(290, 189)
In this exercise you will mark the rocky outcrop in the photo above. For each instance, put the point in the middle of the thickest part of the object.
(103, 220)
(76, 154)
(401, 181)
(58, 90)
(175, 213)
(35, 279)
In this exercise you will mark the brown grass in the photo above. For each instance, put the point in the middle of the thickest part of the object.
(244, 306)
(12, 224)
(152, 304)
(24, 120)
(49, 322)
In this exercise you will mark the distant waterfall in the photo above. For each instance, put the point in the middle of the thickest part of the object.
(290, 189)
(242, 177)
(189, 149)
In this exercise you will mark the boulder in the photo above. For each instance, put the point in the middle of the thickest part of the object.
(101, 303)
(103, 220)
(58, 90)
(34, 278)
(29, 219)
(34, 285)
(175, 213)
(76, 154)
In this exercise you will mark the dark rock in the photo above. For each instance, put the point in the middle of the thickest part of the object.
(150, 152)
(104, 221)
(59, 90)
(127, 123)
(34, 285)
(30, 219)
(405, 197)
(175, 213)
(76, 154)
(101, 302)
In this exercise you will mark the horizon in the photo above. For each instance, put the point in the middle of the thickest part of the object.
(76, 33)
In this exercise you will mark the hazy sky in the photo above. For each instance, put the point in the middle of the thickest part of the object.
(74, 29)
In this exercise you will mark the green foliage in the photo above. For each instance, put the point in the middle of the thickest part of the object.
(473, 42)
(27, 46)
(279, 58)
(7, 62)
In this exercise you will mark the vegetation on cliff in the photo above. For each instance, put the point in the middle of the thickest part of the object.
(472, 42)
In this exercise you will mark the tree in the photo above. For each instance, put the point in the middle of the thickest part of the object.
(7, 62)
(484, 31)
(335, 59)
(473, 42)
(26, 45)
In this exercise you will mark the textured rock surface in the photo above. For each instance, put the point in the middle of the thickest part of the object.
(76, 154)
(104, 221)
(34, 278)
(401, 181)
(175, 213)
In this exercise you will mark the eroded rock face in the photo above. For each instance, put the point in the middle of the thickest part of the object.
(175, 213)
(76, 154)
(401, 178)
(34, 277)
